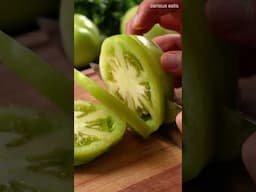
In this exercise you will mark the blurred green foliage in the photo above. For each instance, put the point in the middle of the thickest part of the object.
(106, 14)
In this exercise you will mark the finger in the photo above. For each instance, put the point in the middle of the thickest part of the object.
(179, 121)
(168, 42)
(150, 11)
(167, 21)
(171, 21)
(130, 30)
(172, 62)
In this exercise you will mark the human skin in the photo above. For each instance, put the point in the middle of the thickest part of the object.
(171, 44)
(231, 20)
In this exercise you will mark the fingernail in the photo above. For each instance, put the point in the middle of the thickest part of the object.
(136, 23)
(127, 28)
(179, 121)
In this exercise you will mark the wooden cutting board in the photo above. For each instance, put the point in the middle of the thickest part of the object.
(152, 165)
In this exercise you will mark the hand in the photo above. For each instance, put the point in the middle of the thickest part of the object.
(148, 15)
(171, 61)
(172, 56)
(145, 18)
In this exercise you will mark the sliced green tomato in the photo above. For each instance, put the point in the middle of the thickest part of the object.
(130, 67)
(112, 103)
(96, 130)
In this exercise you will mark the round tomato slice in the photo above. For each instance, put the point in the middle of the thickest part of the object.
(96, 130)
(130, 67)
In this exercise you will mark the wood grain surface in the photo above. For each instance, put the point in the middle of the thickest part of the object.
(134, 164)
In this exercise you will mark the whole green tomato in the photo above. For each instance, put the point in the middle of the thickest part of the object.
(155, 31)
(86, 41)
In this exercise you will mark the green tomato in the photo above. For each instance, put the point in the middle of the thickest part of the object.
(130, 67)
(155, 31)
(17, 15)
(139, 88)
(96, 130)
(86, 41)
(113, 104)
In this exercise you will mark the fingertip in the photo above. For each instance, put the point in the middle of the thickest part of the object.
(136, 22)
(179, 121)
(130, 28)
(144, 19)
